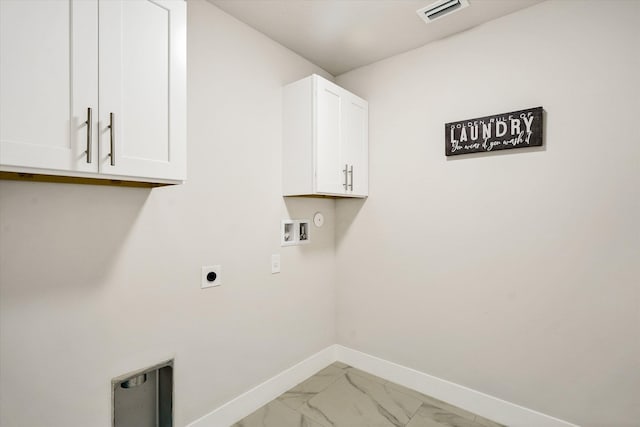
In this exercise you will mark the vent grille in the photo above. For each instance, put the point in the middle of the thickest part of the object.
(440, 9)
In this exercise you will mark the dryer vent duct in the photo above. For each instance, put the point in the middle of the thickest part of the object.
(440, 9)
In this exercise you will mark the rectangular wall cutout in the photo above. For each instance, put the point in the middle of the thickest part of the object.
(143, 398)
(295, 232)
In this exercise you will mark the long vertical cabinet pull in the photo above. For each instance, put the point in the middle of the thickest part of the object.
(89, 123)
(351, 173)
(112, 141)
(346, 180)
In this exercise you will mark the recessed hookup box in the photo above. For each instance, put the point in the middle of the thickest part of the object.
(143, 398)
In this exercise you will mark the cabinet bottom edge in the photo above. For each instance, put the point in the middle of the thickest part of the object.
(34, 177)
(327, 196)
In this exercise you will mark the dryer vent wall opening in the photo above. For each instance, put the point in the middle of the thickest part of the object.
(143, 398)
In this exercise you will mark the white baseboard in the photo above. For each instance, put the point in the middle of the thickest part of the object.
(238, 408)
(463, 397)
(474, 401)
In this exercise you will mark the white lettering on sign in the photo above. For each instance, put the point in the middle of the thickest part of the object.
(508, 130)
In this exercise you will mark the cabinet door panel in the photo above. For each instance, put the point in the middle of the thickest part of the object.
(354, 149)
(48, 79)
(142, 81)
(329, 178)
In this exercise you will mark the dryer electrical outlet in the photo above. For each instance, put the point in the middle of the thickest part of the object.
(211, 276)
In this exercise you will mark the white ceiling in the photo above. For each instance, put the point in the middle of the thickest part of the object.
(340, 35)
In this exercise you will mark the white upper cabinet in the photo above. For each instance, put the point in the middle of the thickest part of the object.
(94, 89)
(325, 140)
(48, 84)
(142, 88)
(355, 144)
(328, 125)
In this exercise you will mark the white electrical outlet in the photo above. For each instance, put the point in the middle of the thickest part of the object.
(275, 263)
(211, 276)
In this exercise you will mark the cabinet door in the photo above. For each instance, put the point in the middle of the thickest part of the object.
(329, 175)
(143, 88)
(48, 80)
(354, 145)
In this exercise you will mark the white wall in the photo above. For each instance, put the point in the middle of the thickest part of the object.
(515, 273)
(98, 281)
(511, 273)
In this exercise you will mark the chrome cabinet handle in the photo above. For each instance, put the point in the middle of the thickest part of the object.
(112, 141)
(89, 123)
(346, 180)
(351, 173)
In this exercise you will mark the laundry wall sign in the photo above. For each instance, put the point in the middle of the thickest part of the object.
(516, 129)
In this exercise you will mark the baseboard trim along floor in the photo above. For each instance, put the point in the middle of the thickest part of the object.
(246, 403)
(487, 406)
(474, 401)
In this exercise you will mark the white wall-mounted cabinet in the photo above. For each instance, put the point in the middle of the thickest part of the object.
(94, 89)
(325, 140)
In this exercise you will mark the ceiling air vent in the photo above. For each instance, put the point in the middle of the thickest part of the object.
(440, 9)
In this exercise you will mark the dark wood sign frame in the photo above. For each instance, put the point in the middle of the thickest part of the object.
(517, 129)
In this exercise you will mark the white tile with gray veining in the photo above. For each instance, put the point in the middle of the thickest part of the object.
(276, 414)
(433, 401)
(297, 396)
(355, 401)
(432, 416)
(342, 396)
(484, 422)
(428, 400)
(367, 375)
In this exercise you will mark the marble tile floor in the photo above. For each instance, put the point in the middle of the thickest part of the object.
(343, 396)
